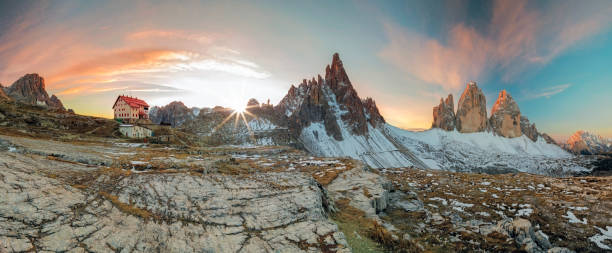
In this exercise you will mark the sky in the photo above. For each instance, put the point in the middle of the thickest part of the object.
(553, 57)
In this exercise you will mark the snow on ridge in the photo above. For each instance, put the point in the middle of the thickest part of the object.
(261, 124)
(390, 147)
(485, 152)
(438, 149)
(374, 149)
(485, 141)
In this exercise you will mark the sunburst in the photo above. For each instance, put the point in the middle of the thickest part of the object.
(239, 113)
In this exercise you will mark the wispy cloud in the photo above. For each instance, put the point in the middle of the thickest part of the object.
(516, 39)
(171, 34)
(548, 91)
(156, 61)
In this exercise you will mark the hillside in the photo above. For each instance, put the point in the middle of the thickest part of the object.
(31, 120)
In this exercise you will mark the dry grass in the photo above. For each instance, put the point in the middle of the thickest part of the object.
(79, 186)
(127, 208)
(365, 234)
(328, 175)
(367, 193)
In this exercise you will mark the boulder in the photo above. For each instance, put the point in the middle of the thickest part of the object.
(471, 110)
(525, 236)
(505, 116)
(444, 114)
(353, 185)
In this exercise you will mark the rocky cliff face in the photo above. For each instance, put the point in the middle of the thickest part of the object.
(529, 129)
(3, 95)
(472, 110)
(505, 116)
(548, 139)
(30, 89)
(329, 100)
(444, 114)
(586, 143)
(175, 114)
(54, 102)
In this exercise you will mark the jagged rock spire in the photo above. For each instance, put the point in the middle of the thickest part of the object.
(314, 101)
(444, 114)
(506, 116)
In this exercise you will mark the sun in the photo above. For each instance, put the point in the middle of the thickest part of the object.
(239, 112)
(239, 108)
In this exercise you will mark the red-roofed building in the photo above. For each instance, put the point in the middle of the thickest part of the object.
(129, 109)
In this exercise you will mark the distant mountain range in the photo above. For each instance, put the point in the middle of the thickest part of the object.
(326, 116)
(586, 143)
(174, 114)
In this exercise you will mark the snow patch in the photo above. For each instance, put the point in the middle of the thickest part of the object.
(600, 238)
(573, 219)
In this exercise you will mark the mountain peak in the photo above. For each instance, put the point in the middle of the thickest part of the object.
(444, 114)
(583, 142)
(335, 75)
(175, 113)
(472, 110)
(506, 116)
(332, 100)
(30, 89)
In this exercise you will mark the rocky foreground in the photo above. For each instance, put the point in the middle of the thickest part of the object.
(106, 196)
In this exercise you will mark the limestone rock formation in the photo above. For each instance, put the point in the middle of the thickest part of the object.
(583, 142)
(181, 212)
(548, 139)
(252, 103)
(30, 89)
(54, 102)
(529, 129)
(3, 95)
(175, 114)
(331, 100)
(444, 114)
(351, 186)
(505, 116)
(471, 110)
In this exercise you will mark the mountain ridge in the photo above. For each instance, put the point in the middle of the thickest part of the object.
(326, 117)
(583, 142)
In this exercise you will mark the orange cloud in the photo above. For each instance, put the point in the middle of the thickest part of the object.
(171, 34)
(516, 38)
(139, 60)
(427, 59)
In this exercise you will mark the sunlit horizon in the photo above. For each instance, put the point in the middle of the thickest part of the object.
(552, 57)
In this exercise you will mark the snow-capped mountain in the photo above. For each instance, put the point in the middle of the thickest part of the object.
(326, 117)
(586, 143)
(330, 119)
